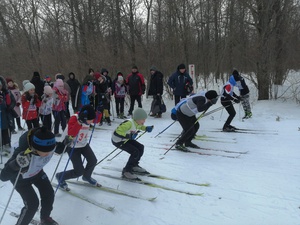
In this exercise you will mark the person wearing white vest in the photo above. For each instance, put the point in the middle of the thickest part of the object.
(124, 137)
(186, 116)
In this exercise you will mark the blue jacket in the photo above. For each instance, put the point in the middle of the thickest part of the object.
(178, 82)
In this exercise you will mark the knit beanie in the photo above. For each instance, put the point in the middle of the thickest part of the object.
(43, 140)
(236, 75)
(139, 114)
(36, 74)
(181, 66)
(25, 82)
(211, 94)
(28, 86)
(48, 90)
(97, 75)
(153, 68)
(134, 67)
(8, 79)
(87, 112)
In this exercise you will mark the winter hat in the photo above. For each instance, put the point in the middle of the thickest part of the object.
(232, 81)
(47, 78)
(36, 74)
(153, 68)
(43, 140)
(236, 75)
(139, 114)
(60, 76)
(120, 78)
(134, 67)
(103, 70)
(88, 112)
(28, 86)
(181, 66)
(48, 90)
(8, 79)
(25, 82)
(97, 75)
(211, 94)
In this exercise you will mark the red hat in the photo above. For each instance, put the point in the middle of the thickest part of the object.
(97, 75)
(8, 80)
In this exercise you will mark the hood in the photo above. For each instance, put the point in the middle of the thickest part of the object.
(71, 74)
(87, 78)
(103, 70)
(4, 84)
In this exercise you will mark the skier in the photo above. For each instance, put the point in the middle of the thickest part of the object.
(227, 96)
(244, 94)
(78, 128)
(35, 150)
(185, 113)
(124, 138)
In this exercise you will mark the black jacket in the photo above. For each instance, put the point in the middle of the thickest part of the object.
(74, 85)
(156, 84)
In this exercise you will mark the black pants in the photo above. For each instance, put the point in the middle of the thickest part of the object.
(178, 98)
(59, 118)
(136, 151)
(74, 103)
(47, 121)
(32, 123)
(138, 98)
(120, 105)
(230, 109)
(76, 160)
(189, 126)
(18, 120)
(31, 200)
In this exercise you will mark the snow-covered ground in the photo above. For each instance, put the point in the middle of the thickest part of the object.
(259, 187)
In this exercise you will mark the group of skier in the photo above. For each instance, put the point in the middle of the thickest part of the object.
(37, 145)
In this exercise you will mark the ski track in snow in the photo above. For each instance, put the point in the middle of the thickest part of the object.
(260, 187)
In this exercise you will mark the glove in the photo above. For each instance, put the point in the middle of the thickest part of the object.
(236, 100)
(18, 104)
(68, 140)
(214, 100)
(23, 160)
(149, 129)
(132, 136)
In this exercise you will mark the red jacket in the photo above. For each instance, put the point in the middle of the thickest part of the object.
(30, 108)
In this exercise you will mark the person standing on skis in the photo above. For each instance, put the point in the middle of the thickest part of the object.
(186, 116)
(124, 138)
(78, 128)
(36, 148)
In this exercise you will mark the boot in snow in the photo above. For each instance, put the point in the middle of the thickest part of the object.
(139, 170)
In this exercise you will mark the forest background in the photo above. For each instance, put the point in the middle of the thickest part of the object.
(261, 38)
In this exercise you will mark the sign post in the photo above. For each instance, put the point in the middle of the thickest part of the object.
(193, 76)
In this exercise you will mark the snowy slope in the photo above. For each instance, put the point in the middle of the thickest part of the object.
(260, 187)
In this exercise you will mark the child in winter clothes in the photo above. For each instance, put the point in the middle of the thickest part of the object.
(124, 138)
(120, 92)
(35, 150)
(60, 96)
(46, 107)
(13, 87)
(78, 128)
(30, 103)
(227, 96)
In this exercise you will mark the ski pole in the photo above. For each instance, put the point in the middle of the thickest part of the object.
(62, 176)
(180, 135)
(14, 187)
(123, 144)
(58, 162)
(165, 129)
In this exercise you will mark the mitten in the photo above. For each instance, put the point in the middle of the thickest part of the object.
(23, 160)
(236, 100)
(132, 135)
(214, 100)
(18, 104)
(68, 140)
(149, 129)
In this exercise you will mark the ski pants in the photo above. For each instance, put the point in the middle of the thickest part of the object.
(119, 105)
(230, 109)
(178, 98)
(59, 118)
(136, 151)
(31, 200)
(78, 169)
(189, 125)
(32, 123)
(47, 121)
(245, 103)
(138, 98)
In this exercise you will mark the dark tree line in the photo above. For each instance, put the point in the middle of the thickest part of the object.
(259, 37)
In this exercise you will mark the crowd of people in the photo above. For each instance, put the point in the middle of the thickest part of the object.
(44, 100)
